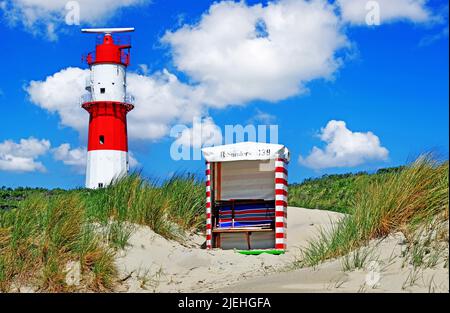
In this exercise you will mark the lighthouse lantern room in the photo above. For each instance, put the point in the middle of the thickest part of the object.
(107, 103)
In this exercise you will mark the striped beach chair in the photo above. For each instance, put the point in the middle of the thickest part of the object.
(235, 214)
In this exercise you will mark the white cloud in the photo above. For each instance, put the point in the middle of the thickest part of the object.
(271, 52)
(240, 53)
(355, 11)
(344, 148)
(60, 93)
(46, 16)
(144, 69)
(262, 117)
(75, 158)
(160, 101)
(203, 133)
(132, 161)
(21, 157)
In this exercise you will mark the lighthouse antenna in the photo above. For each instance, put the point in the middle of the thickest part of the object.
(107, 30)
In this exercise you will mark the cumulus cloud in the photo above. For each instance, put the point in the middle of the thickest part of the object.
(160, 101)
(344, 148)
(262, 117)
(22, 156)
(241, 53)
(132, 161)
(45, 17)
(271, 52)
(60, 93)
(76, 158)
(144, 69)
(355, 11)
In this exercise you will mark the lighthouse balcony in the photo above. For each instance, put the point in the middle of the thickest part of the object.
(115, 54)
(88, 98)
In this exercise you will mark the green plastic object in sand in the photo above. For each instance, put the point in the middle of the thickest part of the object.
(258, 252)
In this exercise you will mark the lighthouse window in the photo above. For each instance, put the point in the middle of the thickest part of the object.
(101, 139)
(102, 90)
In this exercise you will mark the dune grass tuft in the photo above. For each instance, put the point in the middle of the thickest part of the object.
(170, 208)
(398, 201)
(44, 232)
(38, 238)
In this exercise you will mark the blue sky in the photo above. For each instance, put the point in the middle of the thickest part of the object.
(388, 95)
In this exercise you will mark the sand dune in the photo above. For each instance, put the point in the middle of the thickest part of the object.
(153, 264)
(386, 272)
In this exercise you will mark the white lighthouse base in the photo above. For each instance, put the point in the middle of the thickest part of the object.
(103, 166)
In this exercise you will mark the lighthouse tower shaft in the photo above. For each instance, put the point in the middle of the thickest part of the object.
(107, 104)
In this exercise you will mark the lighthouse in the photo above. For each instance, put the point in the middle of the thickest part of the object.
(108, 104)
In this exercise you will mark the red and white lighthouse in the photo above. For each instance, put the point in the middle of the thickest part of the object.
(108, 104)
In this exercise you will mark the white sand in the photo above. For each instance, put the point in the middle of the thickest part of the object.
(153, 264)
(390, 274)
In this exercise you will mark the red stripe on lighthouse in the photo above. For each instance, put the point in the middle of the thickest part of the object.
(107, 125)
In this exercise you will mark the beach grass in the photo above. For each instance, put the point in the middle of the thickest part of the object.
(334, 192)
(403, 201)
(41, 236)
(44, 232)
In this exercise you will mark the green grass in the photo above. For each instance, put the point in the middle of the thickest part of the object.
(10, 198)
(426, 248)
(357, 259)
(401, 200)
(44, 233)
(334, 192)
(41, 231)
(175, 206)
